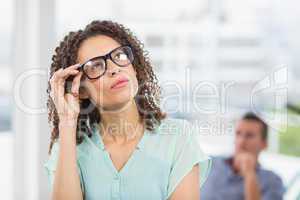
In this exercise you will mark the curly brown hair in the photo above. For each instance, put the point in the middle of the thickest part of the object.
(149, 91)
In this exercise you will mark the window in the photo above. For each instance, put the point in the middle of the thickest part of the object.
(6, 138)
(5, 64)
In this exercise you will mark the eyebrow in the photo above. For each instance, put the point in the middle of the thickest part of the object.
(102, 55)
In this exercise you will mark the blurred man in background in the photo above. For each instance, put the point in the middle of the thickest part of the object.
(240, 176)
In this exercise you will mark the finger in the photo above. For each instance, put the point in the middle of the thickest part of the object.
(54, 76)
(74, 66)
(54, 86)
(57, 80)
(76, 84)
(65, 73)
(57, 85)
(57, 95)
(62, 76)
(61, 72)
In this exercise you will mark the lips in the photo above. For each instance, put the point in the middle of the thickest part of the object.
(120, 82)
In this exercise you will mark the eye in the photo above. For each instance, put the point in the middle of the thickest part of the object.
(98, 63)
(121, 56)
(249, 135)
(94, 64)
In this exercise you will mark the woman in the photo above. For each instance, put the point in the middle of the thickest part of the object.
(110, 139)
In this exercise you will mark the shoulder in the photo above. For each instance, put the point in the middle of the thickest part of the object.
(170, 131)
(220, 160)
(219, 166)
(166, 138)
(180, 131)
(174, 128)
(185, 152)
(271, 177)
(178, 137)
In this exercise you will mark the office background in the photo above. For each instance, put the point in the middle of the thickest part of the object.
(215, 60)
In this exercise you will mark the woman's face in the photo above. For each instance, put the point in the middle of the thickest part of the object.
(103, 91)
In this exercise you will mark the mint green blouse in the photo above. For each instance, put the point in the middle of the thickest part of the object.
(160, 161)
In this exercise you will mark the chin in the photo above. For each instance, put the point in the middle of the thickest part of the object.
(118, 105)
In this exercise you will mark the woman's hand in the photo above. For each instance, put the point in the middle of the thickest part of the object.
(67, 104)
(68, 107)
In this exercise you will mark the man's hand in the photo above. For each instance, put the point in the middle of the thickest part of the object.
(245, 164)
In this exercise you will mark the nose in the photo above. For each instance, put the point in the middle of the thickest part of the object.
(240, 142)
(112, 68)
(114, 71)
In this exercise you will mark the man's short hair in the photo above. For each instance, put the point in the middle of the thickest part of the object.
(253, 117)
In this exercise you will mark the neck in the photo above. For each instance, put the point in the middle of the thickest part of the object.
(125, 124)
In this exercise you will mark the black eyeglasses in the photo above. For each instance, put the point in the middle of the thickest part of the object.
(96, 67)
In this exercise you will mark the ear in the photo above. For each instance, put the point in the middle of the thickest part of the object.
(264, 144)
